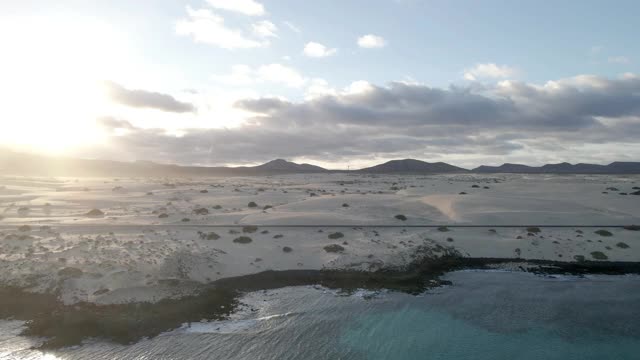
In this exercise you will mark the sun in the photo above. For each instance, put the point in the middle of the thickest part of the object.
(51, 73)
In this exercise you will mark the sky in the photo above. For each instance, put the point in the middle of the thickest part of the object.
(334, 83)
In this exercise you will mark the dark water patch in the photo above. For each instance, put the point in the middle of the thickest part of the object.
(65, 325)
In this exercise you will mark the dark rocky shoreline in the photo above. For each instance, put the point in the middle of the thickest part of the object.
(66, 325)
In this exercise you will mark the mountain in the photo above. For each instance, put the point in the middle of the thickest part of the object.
(564, 168)
(628, 167)
(504, 168)
(37, 165)
(412, 166)
(12, 163)
(283, 165)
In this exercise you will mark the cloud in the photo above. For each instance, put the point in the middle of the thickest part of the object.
(317, 50)
(273, 73)
(619, 60)
(208, 28)
(146, 99)
(371, 41)
(246, 7)
(112, 123)
(278, 73)
(264, 29)
(582, 118)
(319, 87)
(488, 70)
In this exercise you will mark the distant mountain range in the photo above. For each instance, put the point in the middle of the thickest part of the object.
(28, 164)
(12, 163)
(283, 165)
(412, 166)
(564, 168)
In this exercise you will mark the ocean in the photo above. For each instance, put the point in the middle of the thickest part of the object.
(482, 315)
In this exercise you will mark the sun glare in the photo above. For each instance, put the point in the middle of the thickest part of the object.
(51, 82)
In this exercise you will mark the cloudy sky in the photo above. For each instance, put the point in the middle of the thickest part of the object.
(335, 83)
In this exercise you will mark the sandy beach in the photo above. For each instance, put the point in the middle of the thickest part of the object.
(157, 238)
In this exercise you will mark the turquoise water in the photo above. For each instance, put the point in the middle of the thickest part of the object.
(421, 334)
(483, 315)
(508, 316)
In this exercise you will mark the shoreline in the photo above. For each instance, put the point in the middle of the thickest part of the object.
(63, 325)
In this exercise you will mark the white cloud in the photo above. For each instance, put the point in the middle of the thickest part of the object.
(278, 73)
(314, 49)
(206, 27)
(358, 87)
(293, 27)
(489, 70)
(273, 73)
(246, 7)
(371, 41)
(319, 87)
(619, 60)
(264, 28)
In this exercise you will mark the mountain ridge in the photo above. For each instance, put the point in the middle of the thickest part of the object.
(412, 166)
(616, 167)
(28, 164)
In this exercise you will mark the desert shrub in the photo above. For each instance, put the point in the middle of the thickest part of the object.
(242, 240)
(443, 228)
(602, 232)
(335, 235)
(599, 255)
(287, 249)
(401, 217)
(333, 248)
(95, 213)
(252, 204)
(249, 229)
(622, 245)
(211, 236)
(70, 272)
(533, 229)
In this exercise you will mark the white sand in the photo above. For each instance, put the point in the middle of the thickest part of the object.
(132, 254)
